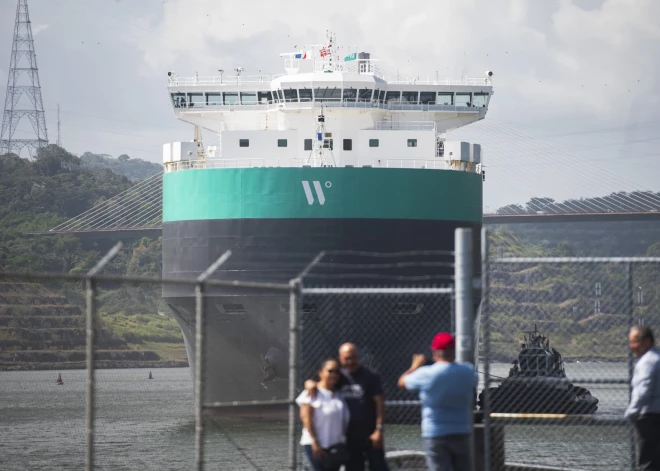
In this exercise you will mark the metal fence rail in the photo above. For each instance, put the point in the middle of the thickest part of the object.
(580, 308)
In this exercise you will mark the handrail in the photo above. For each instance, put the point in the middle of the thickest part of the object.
(305, 103)
(390, 78)
(431, 164)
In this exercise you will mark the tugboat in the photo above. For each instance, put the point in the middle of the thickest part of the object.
(537, 383)
(59, 381)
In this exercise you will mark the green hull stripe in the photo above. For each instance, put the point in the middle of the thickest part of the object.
(376, 193)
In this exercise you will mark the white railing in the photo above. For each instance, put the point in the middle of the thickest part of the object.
(396, 79)
(406, 125)
(389, 77)
(293, 104)
(176, 81)
(433, 164)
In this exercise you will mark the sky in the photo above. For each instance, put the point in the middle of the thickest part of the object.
(581, 75)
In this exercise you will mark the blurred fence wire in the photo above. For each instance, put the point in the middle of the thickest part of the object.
(550, 337)
(556, 359)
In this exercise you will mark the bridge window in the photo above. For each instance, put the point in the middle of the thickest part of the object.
(427, 98)
(327, 94)
(445, 98)
(392, 97)
(280, 95)
(350, 94)
(412, 142)
(214, 99)
(264, 97)
(480, 99)
(231, 98)
(281, 143)
(244, 143)
(409, 97)
(305, 95)
(348, 144)
(463, 99)
(248, 98)
(373, 142)
(308, 144)
(381, 95)
(179, 100)
(291, 95)
(364, 94)
(196, 99)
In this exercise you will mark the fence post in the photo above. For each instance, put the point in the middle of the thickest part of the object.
(294, 367)
(631, 321)
(463, 289)
(464, 308)
(200, 343)
(485, 318)
(90, 283)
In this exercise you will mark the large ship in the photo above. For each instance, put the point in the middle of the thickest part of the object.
(335, 155)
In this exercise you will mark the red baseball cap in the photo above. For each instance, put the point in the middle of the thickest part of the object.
(443, 341)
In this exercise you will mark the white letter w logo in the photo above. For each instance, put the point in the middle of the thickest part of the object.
(310, 195)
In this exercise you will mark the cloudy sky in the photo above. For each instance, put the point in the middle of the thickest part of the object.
(579, 74)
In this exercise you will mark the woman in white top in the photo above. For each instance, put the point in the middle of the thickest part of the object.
(325, 418)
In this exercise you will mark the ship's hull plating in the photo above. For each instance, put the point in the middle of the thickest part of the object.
(247, 331)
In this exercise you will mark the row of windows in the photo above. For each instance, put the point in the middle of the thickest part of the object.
(327, 94)
(327, 143)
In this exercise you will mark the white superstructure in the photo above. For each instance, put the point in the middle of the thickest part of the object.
(327, 111)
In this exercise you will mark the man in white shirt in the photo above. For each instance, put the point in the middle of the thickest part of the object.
(644, 408)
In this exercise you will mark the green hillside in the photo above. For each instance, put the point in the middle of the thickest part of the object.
(42, 324)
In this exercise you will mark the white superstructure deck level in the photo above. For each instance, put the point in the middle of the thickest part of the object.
(327, 111)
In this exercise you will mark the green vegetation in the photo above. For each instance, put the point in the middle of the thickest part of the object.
(36, 195)
(133, 169)
(583, 307)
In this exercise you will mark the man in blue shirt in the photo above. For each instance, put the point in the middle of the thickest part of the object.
(644, 408)
(446, 390)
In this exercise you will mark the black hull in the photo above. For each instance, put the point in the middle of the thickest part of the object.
(246, 327)
(539, 397)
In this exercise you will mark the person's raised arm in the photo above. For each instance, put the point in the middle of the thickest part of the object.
(418, 361)
(311, 387)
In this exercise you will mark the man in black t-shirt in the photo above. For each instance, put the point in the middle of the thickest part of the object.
(362, 390)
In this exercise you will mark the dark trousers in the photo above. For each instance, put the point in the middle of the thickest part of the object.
(361, 451)
(313, 462)
(448, 453)
(647, 441)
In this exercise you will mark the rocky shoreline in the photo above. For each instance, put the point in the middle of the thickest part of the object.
(100, 364)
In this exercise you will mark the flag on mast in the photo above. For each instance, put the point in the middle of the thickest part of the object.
(303, 55)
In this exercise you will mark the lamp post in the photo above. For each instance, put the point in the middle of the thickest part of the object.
(221, 72)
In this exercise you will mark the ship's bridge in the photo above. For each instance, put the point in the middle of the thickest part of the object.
(349, 113)
(220, 104)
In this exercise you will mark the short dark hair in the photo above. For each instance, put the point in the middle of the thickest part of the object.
(326, 361)
(644, 332)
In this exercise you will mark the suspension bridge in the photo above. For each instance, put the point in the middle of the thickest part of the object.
(569, 189)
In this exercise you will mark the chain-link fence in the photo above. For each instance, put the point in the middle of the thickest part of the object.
(388, 326)
(116, 391)
(557, 364)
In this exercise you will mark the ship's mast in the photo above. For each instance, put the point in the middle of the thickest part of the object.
(323, 144)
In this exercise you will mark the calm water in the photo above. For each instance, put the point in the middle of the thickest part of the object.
(149, 425)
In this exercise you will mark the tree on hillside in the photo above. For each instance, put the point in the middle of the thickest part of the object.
(52, 159)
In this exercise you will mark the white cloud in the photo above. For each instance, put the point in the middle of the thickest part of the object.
(37, 28)
(572, 57)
